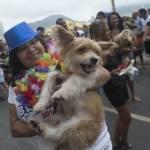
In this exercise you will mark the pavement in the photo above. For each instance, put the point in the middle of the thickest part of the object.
(139, 133)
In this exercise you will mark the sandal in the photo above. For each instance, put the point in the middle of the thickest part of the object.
(126, 147)
(117, 146)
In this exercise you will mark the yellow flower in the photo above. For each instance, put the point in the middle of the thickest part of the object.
(22, 87)
(41, 76)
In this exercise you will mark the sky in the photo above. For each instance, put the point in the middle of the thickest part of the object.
(15, 11)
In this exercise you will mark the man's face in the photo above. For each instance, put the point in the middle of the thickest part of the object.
(142, 15)
(63, 24)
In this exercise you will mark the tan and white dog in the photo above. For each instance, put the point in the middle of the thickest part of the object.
(126, 43)
(125, 39)
(76, 124)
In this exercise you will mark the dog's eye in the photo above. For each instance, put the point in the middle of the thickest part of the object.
(81, 49)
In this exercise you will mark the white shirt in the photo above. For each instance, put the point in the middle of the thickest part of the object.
(145, 21)
(26, 113)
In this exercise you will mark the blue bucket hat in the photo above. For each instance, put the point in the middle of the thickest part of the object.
(19, 35)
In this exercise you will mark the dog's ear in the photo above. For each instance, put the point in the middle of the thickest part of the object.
(108, 48)
(61, 36)
(118, 39)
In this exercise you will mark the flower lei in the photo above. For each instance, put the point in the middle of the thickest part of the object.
(30, 82)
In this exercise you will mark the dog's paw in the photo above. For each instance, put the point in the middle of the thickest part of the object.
(59, 96)
(41, 128)
(35, 126)
(39, 106)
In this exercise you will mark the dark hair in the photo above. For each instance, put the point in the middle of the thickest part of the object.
(15, 65)
(59, 20)
(40, 29)
(148, 24)
(142, 11)
(120, 26)
(100, 13)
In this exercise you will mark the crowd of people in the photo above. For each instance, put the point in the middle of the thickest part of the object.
(3, 70)
(22, 53)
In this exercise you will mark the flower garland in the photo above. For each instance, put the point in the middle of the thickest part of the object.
(30, 82)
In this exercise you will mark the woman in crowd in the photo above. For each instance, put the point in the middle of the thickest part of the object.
(24, 51)
(116, 89)
(139, 44)
(115, 24)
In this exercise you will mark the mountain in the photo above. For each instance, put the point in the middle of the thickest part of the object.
(48, 21)
(127, 10)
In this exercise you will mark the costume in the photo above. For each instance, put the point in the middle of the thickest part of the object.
(116, 88)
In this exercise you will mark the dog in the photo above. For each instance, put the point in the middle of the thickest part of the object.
(125, 39)
(76, 123)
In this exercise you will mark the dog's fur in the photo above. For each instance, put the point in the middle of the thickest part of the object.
(77, 121)
(125, 39)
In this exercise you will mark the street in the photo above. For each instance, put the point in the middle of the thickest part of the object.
(139, 133)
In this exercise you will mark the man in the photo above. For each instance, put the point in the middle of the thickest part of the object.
(137, 20)
(101, 16)
(144, 16)
(146, 27)
(61, 22)
(41, 31)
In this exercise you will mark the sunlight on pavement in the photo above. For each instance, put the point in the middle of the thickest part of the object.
(134, 116)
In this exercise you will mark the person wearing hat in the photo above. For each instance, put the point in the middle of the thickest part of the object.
(25, 50)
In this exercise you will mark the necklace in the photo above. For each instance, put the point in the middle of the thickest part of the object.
(29, 83)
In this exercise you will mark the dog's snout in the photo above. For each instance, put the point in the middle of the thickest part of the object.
(94, 60)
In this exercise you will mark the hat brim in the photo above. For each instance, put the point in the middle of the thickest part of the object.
(26, 40)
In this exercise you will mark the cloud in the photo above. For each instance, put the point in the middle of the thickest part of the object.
(13, 11)
(36, 8)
